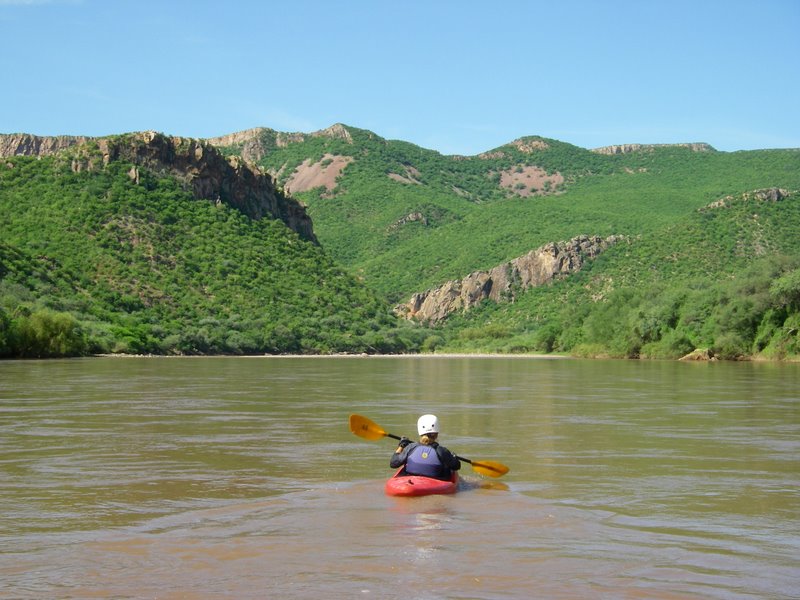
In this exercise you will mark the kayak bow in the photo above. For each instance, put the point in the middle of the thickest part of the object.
(417, 485)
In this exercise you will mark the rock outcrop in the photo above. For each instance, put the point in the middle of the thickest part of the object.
(25, 144)
(700, 354)
(251, 144)
(254, 144)
(502, 283)
(414, 217)
(773, 194)
(201, 168)
(628, 148)
(530, 145)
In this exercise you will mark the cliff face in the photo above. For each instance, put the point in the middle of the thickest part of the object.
(197, 164)
(774, 194)
(253, 144)
(24, 144)
(500, 284)
(628, 148)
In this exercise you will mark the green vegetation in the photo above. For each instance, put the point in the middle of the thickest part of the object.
(473, 223)
(92, 262)
(724, 279)
(672, 288)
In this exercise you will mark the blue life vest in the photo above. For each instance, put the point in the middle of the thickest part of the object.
(424, 460)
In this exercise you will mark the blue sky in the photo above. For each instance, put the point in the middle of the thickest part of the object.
(456, 76)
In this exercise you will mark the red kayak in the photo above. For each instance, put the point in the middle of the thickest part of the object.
(417, 485)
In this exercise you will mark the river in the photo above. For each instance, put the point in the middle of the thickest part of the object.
(239, 478)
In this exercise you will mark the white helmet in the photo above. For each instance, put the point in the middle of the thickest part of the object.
(427, 424)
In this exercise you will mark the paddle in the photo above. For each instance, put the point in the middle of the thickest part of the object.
(369, 430)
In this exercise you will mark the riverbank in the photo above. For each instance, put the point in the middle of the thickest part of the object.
(696, 356)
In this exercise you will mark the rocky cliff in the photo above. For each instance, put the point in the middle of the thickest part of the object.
(253, 144)
(503, 282)
(25, 144)
(628, 148)
(250, 144)
(201, 168)
(773, 194)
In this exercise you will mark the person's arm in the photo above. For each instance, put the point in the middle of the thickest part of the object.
(448, 459)
(401, 454)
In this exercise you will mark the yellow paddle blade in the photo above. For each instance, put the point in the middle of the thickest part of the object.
(490, 468)
(363, 427)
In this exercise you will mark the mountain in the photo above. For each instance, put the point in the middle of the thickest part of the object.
(150, 243)
(203, 171)
(409, 221)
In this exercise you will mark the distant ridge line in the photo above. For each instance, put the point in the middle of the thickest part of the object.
(629, 148)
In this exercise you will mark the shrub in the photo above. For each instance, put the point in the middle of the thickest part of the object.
(673, 345)
(432, 342)
(46, 334)
(786, 289)
(545, 339)
(731, 346)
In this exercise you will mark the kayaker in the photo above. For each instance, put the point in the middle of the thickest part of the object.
(417, 456)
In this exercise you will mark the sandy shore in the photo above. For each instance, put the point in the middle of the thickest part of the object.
(421, 355)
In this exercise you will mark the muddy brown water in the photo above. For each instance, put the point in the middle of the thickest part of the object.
(238, 477)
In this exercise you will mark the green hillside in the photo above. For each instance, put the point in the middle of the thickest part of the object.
(93, 261)
(147, 244)
(465, 220)
(726, 279)
(474, 223)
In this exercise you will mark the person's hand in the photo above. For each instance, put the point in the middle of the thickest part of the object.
(404, 441)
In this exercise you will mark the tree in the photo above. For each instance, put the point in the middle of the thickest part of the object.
(46, 334)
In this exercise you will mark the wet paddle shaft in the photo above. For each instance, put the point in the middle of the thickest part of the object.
(369, 430)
